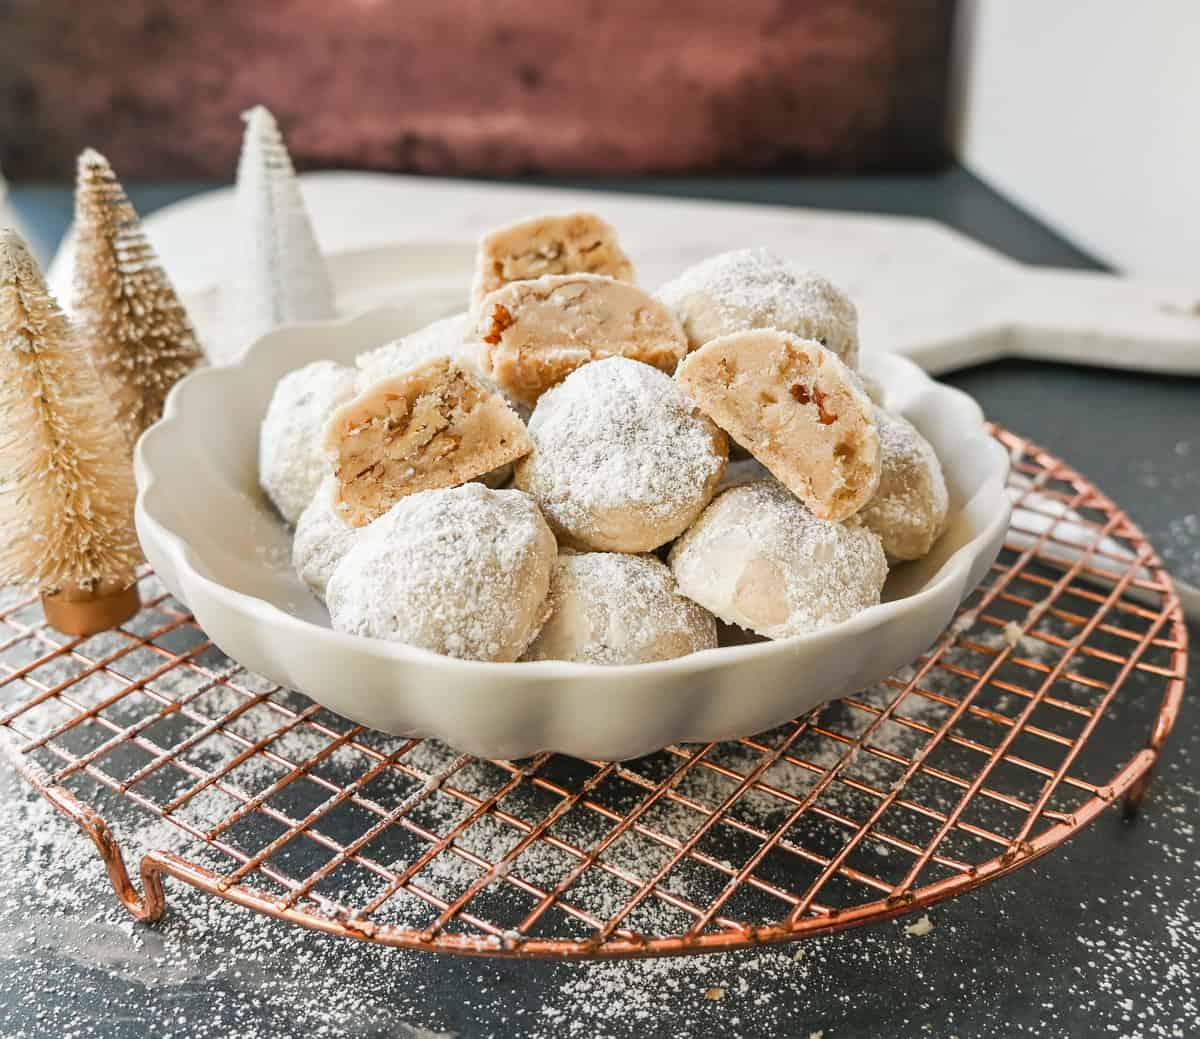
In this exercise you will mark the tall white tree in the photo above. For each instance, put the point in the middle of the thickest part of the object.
(279, 275)
(66, 484)
(128, 313)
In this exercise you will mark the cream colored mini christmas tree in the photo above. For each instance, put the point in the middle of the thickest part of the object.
(128, 313)
(281, 276)
(66, 485)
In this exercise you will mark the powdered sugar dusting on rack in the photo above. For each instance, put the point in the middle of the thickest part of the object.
(157, 690)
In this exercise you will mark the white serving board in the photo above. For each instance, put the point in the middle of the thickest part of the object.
(921, 288)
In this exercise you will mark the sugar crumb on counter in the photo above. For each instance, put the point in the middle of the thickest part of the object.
(921, 928)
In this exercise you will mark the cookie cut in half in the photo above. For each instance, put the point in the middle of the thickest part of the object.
(432, 427)
(799, 411)
(535, 333)
(556, 243)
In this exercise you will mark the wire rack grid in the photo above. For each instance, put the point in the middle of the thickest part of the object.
(1046, 701)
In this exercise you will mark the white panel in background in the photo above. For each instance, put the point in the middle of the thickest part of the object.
(1088, 115)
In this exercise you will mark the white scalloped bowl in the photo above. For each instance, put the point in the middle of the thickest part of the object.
(219, 547)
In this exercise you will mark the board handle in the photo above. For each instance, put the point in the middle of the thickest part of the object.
(1091, 318)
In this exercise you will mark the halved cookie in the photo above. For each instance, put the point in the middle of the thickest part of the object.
(555, 243)
(434, 426)
(797, 408)
(535, 333)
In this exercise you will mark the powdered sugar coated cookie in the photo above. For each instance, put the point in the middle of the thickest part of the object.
(291, 458)
(322, 538)
(462, 571)
(909, 509)
(753, 288)
(448, 337)
(758, 558)
(610, 608)
(622, 460)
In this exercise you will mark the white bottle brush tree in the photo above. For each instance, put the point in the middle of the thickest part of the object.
(128, 312)
(66, 484)
(280, 275)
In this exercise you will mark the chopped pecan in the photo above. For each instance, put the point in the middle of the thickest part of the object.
(501, 319)
(803, 395)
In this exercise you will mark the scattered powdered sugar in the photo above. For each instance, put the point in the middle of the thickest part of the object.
(619, 444)
(1175, 482)
(69, 939)
(758, 558)
(291, 455)
(76, 963)
(921, 928)
(1181, 547)
(753, 288)
(610, 608)
(462, 571)
(909, 509)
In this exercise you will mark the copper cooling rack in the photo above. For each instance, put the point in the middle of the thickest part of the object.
(1047, 701)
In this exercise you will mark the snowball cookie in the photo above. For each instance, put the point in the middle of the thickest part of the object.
(754, 288)
(535, 333)
(322, 538)
(622, 461)
(609, 608)
(758, 558)
(450, 337)
(909, 509)
(797, 408)
(462, 571)
(434, 426)
(556, 243)
(291, 459)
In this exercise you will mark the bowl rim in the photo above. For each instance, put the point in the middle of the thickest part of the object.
(956, 568)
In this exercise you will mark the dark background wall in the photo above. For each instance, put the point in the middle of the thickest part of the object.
(470, 86)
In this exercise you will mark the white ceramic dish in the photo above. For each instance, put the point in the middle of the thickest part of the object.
(221, 549)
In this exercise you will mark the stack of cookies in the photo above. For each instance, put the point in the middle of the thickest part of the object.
(547, 476)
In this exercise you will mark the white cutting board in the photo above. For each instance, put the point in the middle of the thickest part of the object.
(921, 288)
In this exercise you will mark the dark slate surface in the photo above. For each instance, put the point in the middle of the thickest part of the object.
(1098, 938)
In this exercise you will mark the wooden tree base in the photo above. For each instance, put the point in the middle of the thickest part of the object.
(85, 611)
